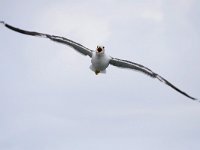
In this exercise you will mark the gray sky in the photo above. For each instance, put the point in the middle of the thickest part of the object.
(49, 99)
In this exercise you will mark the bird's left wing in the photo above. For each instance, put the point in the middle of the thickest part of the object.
(78, 47)
(131, 65)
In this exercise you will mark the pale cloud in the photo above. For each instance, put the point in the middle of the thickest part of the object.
(153, 15)
(183, 5)
(76, 21)
(151, 10)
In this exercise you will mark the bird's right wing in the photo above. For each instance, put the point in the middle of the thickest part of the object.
(78, 47)
(131, 65)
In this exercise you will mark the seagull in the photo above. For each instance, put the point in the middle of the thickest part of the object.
(99, 59)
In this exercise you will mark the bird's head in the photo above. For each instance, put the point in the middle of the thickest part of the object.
(100, 49)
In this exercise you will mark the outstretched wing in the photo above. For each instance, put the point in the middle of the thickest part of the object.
(78, 47)
(131, 65)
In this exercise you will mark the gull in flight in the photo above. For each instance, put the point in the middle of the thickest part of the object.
(99, 59)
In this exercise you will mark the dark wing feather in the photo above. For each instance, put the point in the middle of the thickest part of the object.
(78, 47)
(131, 65)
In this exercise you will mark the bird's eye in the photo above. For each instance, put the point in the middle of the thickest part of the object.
(97, 46)
(103, 47)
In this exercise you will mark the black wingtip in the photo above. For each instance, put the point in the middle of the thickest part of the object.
(194, 99)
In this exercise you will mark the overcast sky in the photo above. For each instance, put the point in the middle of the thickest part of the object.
(50, 100)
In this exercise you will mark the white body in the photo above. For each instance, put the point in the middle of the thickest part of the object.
(100, 62)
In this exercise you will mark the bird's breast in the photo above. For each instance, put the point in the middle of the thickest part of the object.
(100, 62)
